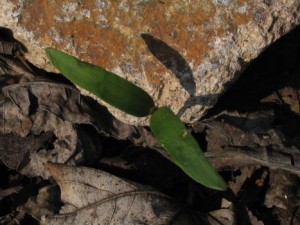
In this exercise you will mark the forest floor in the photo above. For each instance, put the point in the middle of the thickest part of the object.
(252, 136)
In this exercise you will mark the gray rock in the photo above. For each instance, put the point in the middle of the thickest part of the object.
(183, 53)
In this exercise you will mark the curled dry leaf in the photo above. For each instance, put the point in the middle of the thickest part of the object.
(14, 71)
(12, 120)
(14, 150)
(253, 219)
(224, 216)
(9, 191)
(238, 181)
(31, 109)
(283, 191)
(283, 194)
(46, 202)
(66, 102)
(21, 117)
(239, 146)
(101, 198)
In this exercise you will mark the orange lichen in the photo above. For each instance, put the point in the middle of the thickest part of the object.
(112, 34)
(240, 19)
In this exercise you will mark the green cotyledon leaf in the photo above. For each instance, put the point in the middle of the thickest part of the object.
(107, 86)
(183, 148)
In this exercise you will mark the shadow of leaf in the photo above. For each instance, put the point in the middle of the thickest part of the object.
(173, 61)
(206, 100)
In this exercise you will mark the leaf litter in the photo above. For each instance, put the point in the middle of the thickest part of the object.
(97, 197)
(252, 136)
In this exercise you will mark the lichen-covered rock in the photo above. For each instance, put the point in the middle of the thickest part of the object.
(183, 53)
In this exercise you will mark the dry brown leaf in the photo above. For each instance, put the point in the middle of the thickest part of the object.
(22, 126)
(45, 203)
(14, 150)
(12, 120)
(231, 145)
(13, 71)
(38, 107)
(21, 115)
(9, 191)
(81, 186)
(283, 194)
(225, 215)
(253, 219)
(66, 102)
(283, 185)
(101, 198)
(237, 183)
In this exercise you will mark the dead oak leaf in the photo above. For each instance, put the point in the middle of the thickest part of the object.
(101, 198)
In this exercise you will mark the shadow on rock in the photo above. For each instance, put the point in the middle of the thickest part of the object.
(173, 61)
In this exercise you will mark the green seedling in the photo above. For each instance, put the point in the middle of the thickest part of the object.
(165, 125)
